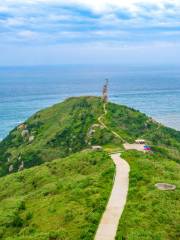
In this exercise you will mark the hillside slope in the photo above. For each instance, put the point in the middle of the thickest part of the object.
(63, 199)
(72, 125)
(54, 132)
(151, 214)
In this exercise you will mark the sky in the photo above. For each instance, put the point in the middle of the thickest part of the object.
(50, 32)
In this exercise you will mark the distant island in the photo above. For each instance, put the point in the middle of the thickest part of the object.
(57, 173)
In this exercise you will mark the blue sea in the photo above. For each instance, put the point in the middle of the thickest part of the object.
(154, 90)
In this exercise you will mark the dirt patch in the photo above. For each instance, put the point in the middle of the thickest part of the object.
(165, 186)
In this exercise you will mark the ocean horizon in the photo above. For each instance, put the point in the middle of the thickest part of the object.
(154, 90)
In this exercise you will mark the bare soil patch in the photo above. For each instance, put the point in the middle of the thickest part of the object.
(165, 186)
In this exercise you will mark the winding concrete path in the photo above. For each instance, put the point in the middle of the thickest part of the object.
(109, 223)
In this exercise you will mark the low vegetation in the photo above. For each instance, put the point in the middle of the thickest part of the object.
(63, 199)
(57, 131)
(151, 214)
(132, 124)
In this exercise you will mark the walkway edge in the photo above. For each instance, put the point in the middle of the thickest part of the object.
(109, 222)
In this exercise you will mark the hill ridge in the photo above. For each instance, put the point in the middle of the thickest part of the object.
(65, 128)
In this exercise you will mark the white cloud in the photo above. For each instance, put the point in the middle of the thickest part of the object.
(154, 9)
(28, 34)
(100, 5)
(89, 30)
(126, 20)
(14, 22)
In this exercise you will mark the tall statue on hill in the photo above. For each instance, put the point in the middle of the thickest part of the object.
(105, 91)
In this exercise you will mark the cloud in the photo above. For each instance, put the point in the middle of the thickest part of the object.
(88, 21)
(28, 34)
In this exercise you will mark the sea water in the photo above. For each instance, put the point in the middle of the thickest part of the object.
(154, 90)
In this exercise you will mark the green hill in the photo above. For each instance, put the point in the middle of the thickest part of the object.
(72, 125)
(55, 132)
(64, 197)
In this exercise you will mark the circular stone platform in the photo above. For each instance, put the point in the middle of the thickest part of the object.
(165, 186)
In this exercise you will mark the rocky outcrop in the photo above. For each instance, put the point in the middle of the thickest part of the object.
(25, 133)
(21, 167)
(31, 139)
(11, 168)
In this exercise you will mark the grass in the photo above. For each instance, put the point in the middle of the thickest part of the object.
(63, 199)
(112, 148)
(151, 214)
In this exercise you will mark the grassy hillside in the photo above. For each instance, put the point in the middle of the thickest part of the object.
(151, 214)
(54, 132)
(63, 199)
(132, 124)
(72, 125)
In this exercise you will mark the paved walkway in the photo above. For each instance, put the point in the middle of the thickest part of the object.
(134, 146)
(110, 219)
